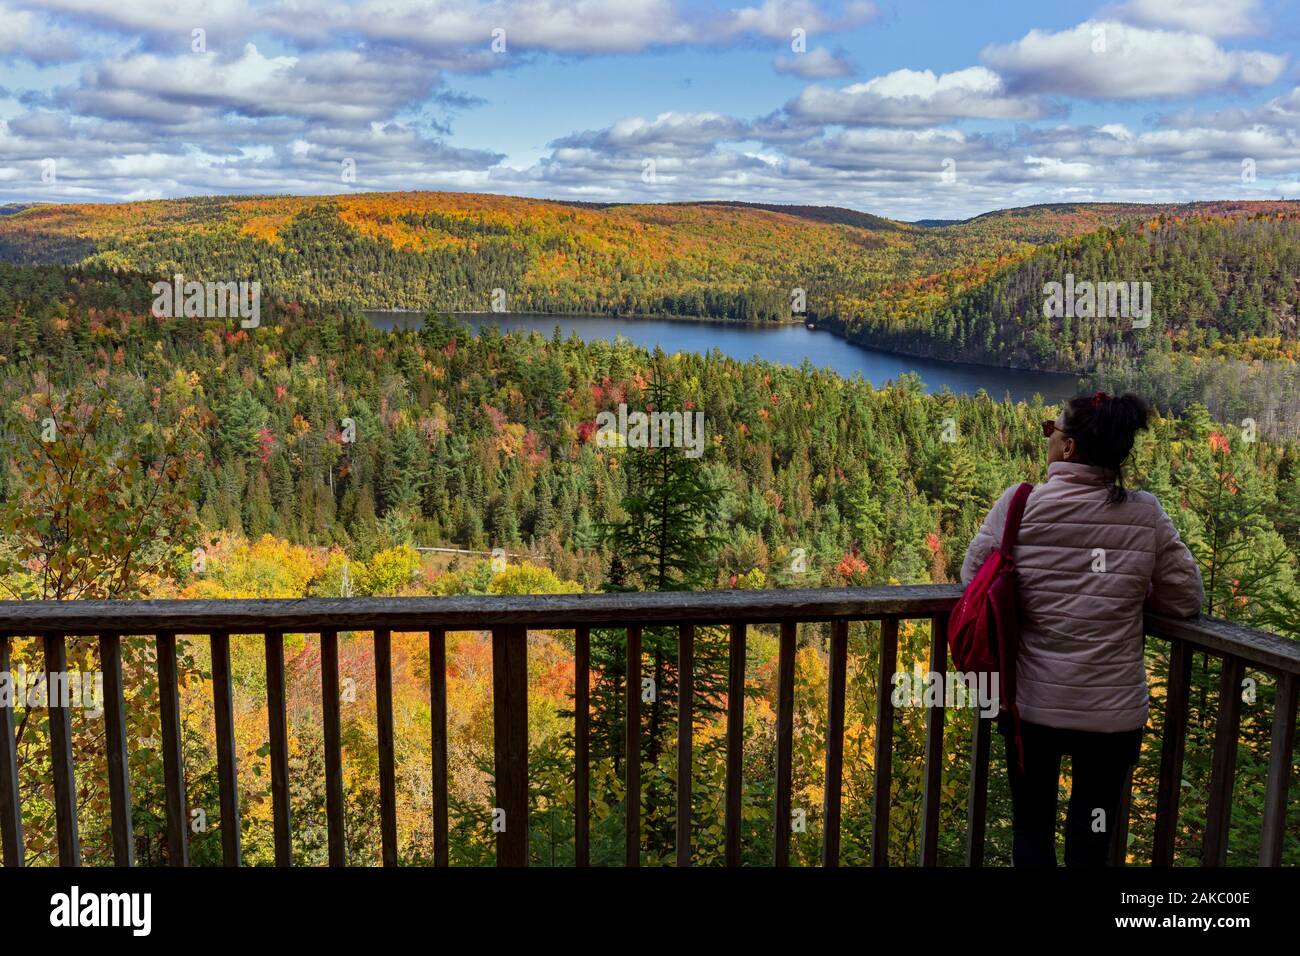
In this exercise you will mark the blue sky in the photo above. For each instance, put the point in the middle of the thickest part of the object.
(925, 109)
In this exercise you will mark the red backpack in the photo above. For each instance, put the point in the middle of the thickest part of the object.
(984, 629)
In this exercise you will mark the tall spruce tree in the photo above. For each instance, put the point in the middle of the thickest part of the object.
(667, 541)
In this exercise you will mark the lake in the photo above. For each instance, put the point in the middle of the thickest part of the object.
(786, 344)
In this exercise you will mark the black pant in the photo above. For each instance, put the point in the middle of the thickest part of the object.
(1099, 769)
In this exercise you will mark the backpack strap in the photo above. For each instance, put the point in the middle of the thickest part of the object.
(1015, 512)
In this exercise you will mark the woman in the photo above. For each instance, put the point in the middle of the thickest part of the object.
(1089, 558)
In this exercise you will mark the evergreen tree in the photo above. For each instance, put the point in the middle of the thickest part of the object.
(666, 542)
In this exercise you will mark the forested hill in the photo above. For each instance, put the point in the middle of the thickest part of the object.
(1224, 274)
(1226, 286)
(448, 251)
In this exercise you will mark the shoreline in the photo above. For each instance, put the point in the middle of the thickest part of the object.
(829, 326)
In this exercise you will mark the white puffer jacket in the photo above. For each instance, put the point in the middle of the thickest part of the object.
(1085, 569)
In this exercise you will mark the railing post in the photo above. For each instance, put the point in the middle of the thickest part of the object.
(784, 742)
(178, 848)
(1172, 748)
(383, 640)
(11, 815)
(735, 742)
(278, 732)
(510, 742)
(685, 738)
(334, 806)
(438, 729)
(884, 751)
(1279, 770)
(1218, 816)
(978, 799)
(632, 749)
(934, 747)
(227, 761)
(836, 685)
(581, 747)
(65, 794)
(119, 774)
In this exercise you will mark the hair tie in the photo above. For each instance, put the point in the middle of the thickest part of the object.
(1099, 398)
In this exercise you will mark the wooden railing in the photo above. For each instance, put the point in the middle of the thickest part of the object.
(509, 619)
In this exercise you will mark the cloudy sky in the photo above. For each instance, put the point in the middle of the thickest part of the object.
(905, 108)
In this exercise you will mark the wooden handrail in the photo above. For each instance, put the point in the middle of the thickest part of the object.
(309, 615)
(509, 618)
(806, 605)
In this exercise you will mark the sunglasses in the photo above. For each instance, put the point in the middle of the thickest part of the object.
(1051, 427)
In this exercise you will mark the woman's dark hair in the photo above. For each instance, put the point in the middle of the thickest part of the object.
(1103, 428)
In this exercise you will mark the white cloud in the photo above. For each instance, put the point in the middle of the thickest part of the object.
(776, 19)
(1214, 18)
(667, 134)
(916, 98)
(459, 33)
(1051, 167)
(818, 63)
(1281, 112)
(560, 26)
(335, 85)
(1111, 60)
(169, 20)
(31, 36)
